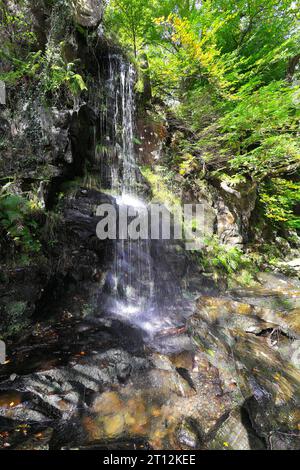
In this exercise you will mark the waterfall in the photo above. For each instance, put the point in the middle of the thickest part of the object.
(130, 281)
(138, 288)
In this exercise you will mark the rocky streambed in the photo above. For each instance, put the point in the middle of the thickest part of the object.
(228, 379)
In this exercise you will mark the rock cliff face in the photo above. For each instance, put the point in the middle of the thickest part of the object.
(227, 211)
(47, 144)
(88, 12)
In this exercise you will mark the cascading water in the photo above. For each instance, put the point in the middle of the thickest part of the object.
(120, 102)
(145, 295)
(130, 282)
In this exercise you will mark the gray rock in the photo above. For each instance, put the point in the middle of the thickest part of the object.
(235, 433)
(88, 12)
(188, 436)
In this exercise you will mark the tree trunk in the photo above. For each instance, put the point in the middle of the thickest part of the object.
(293, 62)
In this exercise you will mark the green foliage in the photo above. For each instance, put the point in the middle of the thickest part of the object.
(23, 63)
(278, 154)
(162, 186)
(279, 197)
(17, 35)
(57, 75)
(207, 109)
(15, 318)
(230, 71)
(16, 219)
(188, 164)
(129, 19)
(229, 261)
(223, 257)
(262, 130)
(23, 68)
(49, 70)
(257, 114)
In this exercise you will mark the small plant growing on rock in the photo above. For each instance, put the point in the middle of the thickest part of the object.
(17, 222)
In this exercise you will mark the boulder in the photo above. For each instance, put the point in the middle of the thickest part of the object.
(87, 13)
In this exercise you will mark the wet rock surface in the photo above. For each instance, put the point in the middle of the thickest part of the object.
(73, 254)
(94, 384)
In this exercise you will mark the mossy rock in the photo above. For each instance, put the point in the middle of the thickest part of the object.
(15, 318)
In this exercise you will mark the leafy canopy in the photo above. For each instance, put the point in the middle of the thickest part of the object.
(230, 71)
